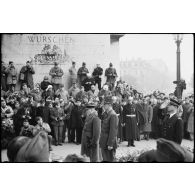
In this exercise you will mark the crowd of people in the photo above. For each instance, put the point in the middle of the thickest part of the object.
(97, 117)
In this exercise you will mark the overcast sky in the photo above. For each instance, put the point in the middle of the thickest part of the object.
(159, 46)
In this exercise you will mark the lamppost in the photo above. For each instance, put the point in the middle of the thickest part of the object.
(180, 82)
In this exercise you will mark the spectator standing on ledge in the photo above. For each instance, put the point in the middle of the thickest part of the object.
(97, 73)
(11, 75)
(26, 75)
(73, 73)
(56, 74)
(111, 75)
(3, 76)
(82, 73)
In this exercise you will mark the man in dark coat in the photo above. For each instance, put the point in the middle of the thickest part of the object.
(186, 106)
(3, 76)
(45, 83)
(76, 122)
(130, 120)
(98, 71)
(118, 109)
(155, 121)
(82, 73)
(109, 130)
(26, 75)
(111, 75)
(91, 134)
(172, 125)
(88, 82)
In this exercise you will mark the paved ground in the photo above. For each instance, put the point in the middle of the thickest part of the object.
(60, 152)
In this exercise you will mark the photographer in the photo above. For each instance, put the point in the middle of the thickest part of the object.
(26, 75)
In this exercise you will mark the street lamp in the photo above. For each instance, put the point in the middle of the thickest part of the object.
(180, 82)
(178, 38)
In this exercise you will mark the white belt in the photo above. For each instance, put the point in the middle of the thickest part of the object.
(117, 114)
(130, 115)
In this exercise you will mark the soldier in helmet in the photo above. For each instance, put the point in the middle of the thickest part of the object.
(111, 75)
(82, 73)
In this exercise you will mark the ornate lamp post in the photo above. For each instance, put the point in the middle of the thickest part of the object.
(180, 82)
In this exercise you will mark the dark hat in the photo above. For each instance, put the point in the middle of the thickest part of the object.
(108, 100)
(167, 151)
(110, 64)
(73, 62)
(83, 63)
(174, 102)
(10, 62)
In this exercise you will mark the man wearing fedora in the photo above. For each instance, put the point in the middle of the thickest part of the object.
(172, 124)
(109, 131)
(91, 134)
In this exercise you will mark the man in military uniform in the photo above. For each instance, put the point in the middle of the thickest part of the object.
(111, 75)
(130, 121)
(82, 73)
(56, 76)
(108, 137)
(91, 134)
(172, 125)
(98, 71)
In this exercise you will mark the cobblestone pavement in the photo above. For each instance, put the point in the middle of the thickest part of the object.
(60, 152)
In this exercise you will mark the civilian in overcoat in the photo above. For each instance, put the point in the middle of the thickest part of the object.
(11, 75)
(149, 115)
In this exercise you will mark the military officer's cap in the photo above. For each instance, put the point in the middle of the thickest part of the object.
(174, 102)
